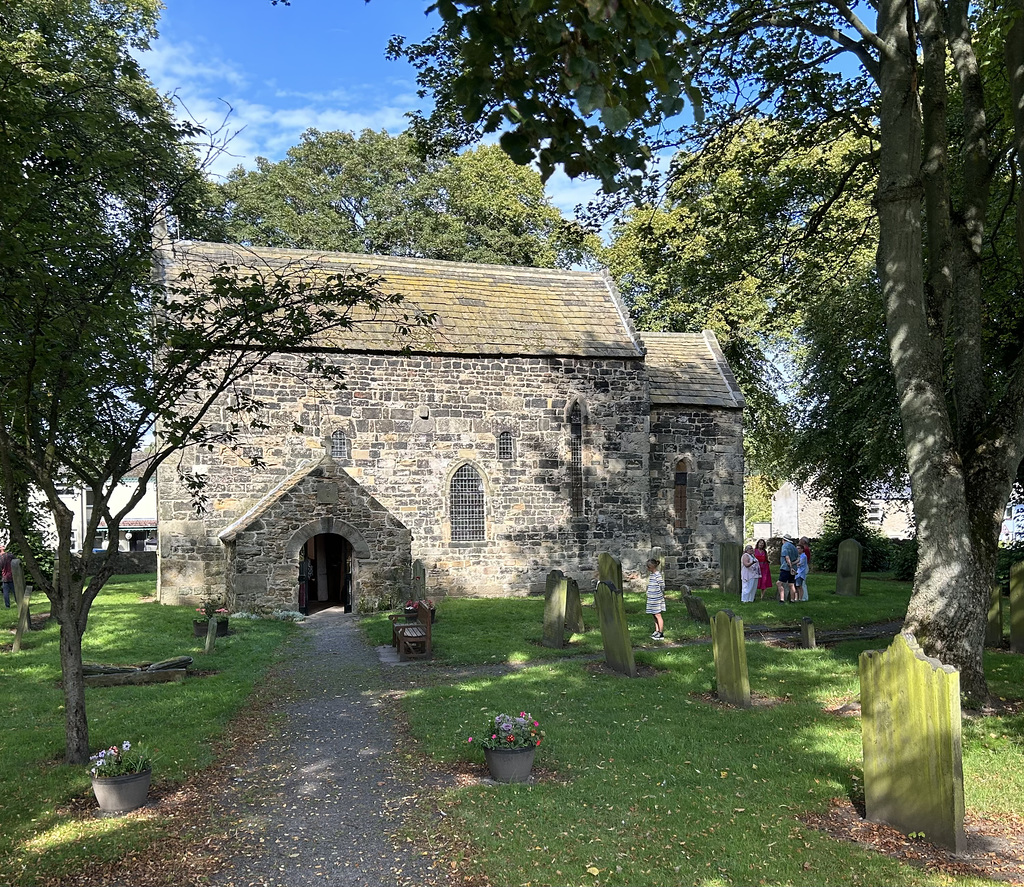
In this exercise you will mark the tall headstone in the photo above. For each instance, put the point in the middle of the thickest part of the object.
(611, 613)
(807, 640)
(1017, 607)
(729, 554)
(994, 626)
(730, 651)
(910, 721)
(419, 581)
(211, 636)
(554, 610)
(848, 567)
(23, 592)
(573, 607)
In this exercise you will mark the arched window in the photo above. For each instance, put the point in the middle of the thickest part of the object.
(466, 505)
(340, 446)
(679, 493)
(576, 460)
(506, 451)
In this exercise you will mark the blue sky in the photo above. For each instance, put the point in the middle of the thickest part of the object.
(280, 70)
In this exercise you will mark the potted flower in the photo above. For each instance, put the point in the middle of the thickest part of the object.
(510, 743)
(411, 609)
(211, 609)
(120, 777)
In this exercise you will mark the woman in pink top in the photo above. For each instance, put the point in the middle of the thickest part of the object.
(761, 553)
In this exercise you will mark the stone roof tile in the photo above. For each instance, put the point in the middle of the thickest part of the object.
(690, 369)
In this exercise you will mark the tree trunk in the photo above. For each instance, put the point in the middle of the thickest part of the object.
(76, 724)
(945, 613)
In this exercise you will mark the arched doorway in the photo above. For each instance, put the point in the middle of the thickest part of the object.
(325, 573)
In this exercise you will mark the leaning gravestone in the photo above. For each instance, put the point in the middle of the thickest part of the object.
(695, 608)
(419, 581)
(910, 722)
(729, 554)
(611, 612)
(554, 610)
(573, 607)
(1017, 607)
(730, 651)
(994, 626)
(848, 568)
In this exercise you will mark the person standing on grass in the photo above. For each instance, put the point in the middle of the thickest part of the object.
(656, 597)
(803, 565)
(750, 572)
(787, 570)
(764, 581)
(7, 576)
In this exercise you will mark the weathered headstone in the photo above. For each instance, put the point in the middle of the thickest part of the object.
(573, 607)
(729, 554)
(554, 610)
(994, 626)
(695, 608)
(1017, 607)
(419, 581)
(730, 651)
(910, 722)
(807, 640)
(848, 567)
(24, 593)
(611, 613)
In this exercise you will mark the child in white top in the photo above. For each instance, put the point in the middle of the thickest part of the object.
(656, 598)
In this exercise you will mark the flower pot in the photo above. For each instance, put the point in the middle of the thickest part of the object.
(510, 764)
(199, 628)
(411, 613)
(433, 615)
(119, 794)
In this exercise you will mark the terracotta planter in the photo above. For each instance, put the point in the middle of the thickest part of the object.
(199, 628)
(119, 794)
(510, 764)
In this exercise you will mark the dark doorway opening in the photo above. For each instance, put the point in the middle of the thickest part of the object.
(325, 574)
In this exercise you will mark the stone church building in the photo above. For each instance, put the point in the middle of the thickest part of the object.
(528, 427)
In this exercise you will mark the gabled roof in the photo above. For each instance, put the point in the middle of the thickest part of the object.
(689, 369)
(482, 310)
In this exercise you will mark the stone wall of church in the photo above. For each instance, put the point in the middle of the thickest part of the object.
(708, 444)
(410, 423)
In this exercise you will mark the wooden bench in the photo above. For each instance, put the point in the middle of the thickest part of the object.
(412, 638)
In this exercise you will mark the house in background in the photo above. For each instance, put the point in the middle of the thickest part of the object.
(529, 428)
(138, 531)
(796, 513)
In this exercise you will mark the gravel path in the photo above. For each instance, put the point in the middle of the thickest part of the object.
(319, 803)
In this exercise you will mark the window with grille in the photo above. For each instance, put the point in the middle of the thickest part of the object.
(505, 447)
(340, 446)
(466, 500)
(576, 460)
(679, 499)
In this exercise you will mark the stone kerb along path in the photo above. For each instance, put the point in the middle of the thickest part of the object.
(730, 652)
(910, 720)
(611, 611)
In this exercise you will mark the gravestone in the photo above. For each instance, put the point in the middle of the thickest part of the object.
(1017, 607)
(910, 723)
(611, 613)
(554, 610)
(573, 607)
(419, 581)
(994, 626)
(807, 640)
(24, 593)
(729, 554)
(695, 608)
(848, 567)
(730, 651)
(211, 636)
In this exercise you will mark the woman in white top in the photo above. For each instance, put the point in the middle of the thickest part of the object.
(750, 572)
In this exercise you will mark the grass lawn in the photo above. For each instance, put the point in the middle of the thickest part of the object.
(40, 839)
(649, 781)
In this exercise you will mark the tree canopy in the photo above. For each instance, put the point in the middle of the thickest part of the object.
(375, 193)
